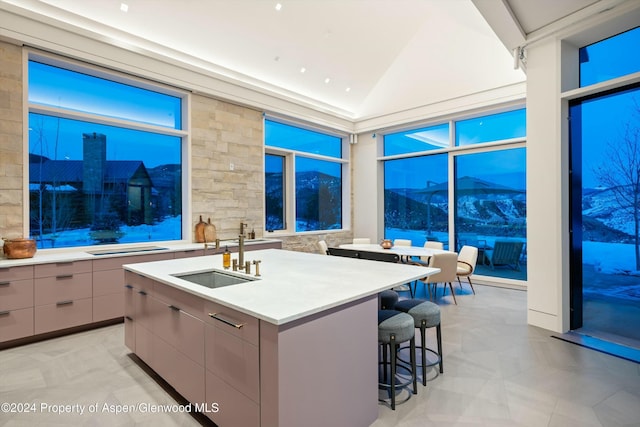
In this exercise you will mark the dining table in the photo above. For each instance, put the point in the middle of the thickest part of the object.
(404, 252)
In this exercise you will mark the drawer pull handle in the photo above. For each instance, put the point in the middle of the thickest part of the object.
(128, 286)
(64, 276)
(225, 321)
(5, 283)
(128, 318)
(174, 308)
(59, 264)
(4, 313)
(61, 303)
(142, 293)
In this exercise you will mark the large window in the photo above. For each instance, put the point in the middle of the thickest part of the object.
(105, 158)
(610, 58)
(476, 166)
(490, 209)
(605, 194)
(315, 182)
(416, 203)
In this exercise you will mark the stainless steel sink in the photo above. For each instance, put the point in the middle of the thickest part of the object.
(214, 278)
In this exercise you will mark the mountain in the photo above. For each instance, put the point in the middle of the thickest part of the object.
(602, 218)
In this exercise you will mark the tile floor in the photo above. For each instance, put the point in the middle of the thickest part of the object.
(498, 371)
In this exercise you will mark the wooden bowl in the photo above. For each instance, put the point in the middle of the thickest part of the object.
(19, 248)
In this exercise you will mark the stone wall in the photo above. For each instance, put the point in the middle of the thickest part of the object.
(11, 150)
(227, 163)
(227, 156)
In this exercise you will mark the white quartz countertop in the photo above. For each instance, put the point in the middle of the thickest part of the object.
(47, 256)
(292, 285)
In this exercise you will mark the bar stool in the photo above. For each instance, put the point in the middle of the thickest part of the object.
(425, 315)
(388, 299)
(394, 328)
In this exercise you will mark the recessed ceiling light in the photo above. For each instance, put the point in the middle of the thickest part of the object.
(124, 7)
(278, 6)
(327, 80)
(302, 70)
(348, 89)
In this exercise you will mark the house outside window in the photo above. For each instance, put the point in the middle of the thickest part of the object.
(304, 184)
(105, 157)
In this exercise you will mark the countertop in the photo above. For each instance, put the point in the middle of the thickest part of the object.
(47, 256)
(292, 285)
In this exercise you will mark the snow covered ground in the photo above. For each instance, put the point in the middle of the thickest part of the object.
(168, 229)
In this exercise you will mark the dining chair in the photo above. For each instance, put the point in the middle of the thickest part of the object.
(430, 244)
(467, 258)
(324, 249)
(361, 241)
(447, 262)
(402, 242)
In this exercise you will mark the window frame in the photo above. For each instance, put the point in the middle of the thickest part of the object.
(290, 155)
(101, 72)
(452, 151)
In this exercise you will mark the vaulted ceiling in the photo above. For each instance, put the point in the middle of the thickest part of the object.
(355, 58)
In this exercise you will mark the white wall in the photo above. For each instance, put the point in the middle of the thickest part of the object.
(366, 186)
(547, 201)
(552, 80)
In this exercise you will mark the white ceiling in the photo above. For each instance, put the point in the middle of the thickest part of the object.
(393, 55)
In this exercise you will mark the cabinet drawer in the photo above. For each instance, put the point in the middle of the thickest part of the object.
(130, 333)
(16, 324)
(130, 301)
(185, 301)
(8, 274)
(185, 375)
(108, 263)
(134, 259)
(236, 323)
(235, 409)
(108, 282)
(190, 253)
(141, 283)
(144, 344)
(16, 294)
(181, 330)
(143, 308)
(233, 360)
(72, 286)
(64, 314)
(62, 268)
(107, 307)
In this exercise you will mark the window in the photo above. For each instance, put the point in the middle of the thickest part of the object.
(423, 139)
(605, 212)
(425, 174)
(317, 165)
(416, 205)
(275, 195)
(610, 58)
(490, 207)
(105, 158)
(494, 127)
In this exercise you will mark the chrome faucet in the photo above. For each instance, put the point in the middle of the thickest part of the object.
(242, 226)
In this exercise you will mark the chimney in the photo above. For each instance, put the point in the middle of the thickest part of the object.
(94, 148)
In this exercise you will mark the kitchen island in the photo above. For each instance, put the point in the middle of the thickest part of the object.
(294, 346)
